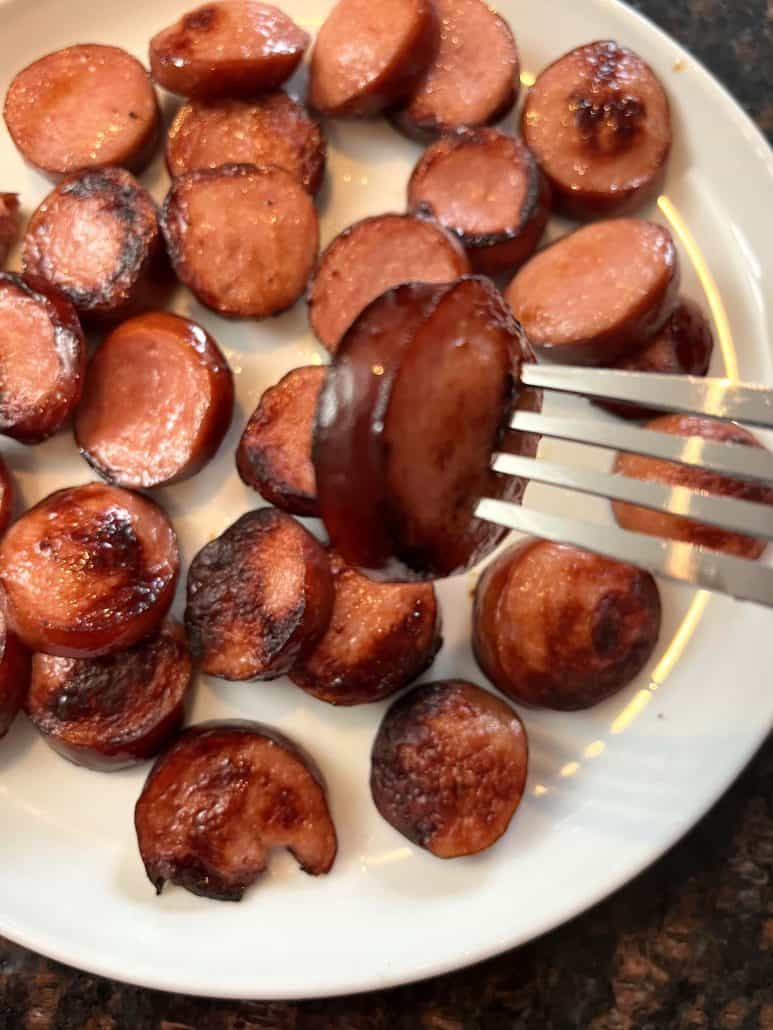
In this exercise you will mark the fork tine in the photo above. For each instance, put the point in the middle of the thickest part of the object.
(683, 563)
(748, 463)
(736, 516)
(717, 398)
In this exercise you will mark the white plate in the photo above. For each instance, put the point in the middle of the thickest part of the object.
(608, 789)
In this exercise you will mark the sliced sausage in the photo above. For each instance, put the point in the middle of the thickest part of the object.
(269, 129)
(158, 401)
(370, 257)
(682, 347)
(368, 57)
(259, 597)
(274, 453)
(10, 224)
(484, 187)
(598, 122)
(243, 239)
(7, 497)
(231, 47)
(87, 106)
(217, 802)
(14, 672)
(598, 294)
(96, 238)
(675, 527)
(88, 571)
(557, 627)
(381, 637)
(448, 767)
(397, 483)
(42, 358)
(112, 712)
(474, 78)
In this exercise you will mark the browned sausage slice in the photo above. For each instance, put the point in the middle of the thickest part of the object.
(88, 571)
(14, 672)
(381, 637)
(368, 57)
(598, 294)
(473, 80)
(484, 187)
(270, 129)
(42, 358)
(243, 239)
(7, 497)
(259, 597)
(217, 802)
(397, 483)
(229, 47)
(157, 403)
(86, 106)
(682, 347)
(274, 453)
(372, 256)
(112, 712)
(557, 627)
(675, 527)
(449, 767)
(599, 125)
(10, 224)
(96, 238)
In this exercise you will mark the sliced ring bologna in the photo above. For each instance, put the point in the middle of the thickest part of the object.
(259, 597)
(244, 239)
(557, 627)
(448, 767)
(233, 47)
(598, 122)
(89, 570)
(112, 712)
(598, 294)
(10, 224)
(370, 257)
(370, 56)
(87, 106)
(157, 403)
(42, 358)
(7, 497)
(14, 672)
(217, 802)
(484, 187)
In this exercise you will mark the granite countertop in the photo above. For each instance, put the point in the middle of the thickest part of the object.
(687, 946)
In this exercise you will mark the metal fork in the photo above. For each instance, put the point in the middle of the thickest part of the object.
(684, 563)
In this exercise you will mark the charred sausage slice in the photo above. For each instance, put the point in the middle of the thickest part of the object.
(10, 224)
(217, 802)
(484, 187)
(598, 294)
(14, 672)
(370, 257)
(269, 129)
(83, 107)
(42, 358)
(675, 527)
(474, 78)
(112, 712)
(232, 47)
(397, 483)
(274, 453)
(380, 638)
(157, 403)
(7, 497)
(557, 627)
(449, 767)
(88, 571)
(368, 57)
(243, 239)
(96, 238)
(259, 597)
(598, 122)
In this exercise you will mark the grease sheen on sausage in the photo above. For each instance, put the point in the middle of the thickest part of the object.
(10, 224)
(220, 799)
(14, 672)
(448, 767)
(89, 570)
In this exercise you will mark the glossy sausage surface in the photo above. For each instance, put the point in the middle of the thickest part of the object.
(7, 497)
(14, 672)
(10, 224)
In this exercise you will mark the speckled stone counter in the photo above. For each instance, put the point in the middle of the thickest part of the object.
(687, 946)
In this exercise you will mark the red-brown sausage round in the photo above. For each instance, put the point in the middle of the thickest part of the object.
(10, 224)
(7, 497)
(14, 672)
